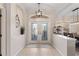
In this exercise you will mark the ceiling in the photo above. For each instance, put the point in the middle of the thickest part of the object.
(49, 8)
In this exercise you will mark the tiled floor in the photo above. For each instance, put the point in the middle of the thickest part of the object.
(38, 50)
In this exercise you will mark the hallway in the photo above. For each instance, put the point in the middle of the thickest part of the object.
(39, 29)
(38, 50)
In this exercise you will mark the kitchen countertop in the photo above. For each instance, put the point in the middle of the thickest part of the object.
(66, 37)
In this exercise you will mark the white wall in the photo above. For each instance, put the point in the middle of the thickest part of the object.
(15, 41)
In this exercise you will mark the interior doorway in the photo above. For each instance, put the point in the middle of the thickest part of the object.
(39, 32)
(0, 32)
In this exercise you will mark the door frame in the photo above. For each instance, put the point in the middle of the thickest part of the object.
(3, 32)
(30, 41)
(39, 41)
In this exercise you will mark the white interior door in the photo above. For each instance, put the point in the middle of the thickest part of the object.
(39, 32)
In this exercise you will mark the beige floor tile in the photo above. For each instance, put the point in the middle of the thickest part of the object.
(38, 50)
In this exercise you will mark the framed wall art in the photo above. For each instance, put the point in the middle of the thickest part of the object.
(17, 21)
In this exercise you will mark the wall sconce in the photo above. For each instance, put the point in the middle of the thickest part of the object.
(22, 30)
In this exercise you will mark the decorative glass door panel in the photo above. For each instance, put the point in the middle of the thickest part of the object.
(34, 31)
(39, 31)
(44, 31)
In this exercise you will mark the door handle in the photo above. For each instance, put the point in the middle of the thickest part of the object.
(0, 35)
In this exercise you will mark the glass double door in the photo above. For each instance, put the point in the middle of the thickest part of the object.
(39, 32)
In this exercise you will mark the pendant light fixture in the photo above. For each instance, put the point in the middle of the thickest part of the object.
(38, 13)
(75, 16)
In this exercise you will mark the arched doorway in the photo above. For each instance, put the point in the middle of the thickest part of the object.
(39, 30)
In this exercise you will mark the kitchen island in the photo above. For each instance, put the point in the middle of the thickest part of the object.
(65, 45)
